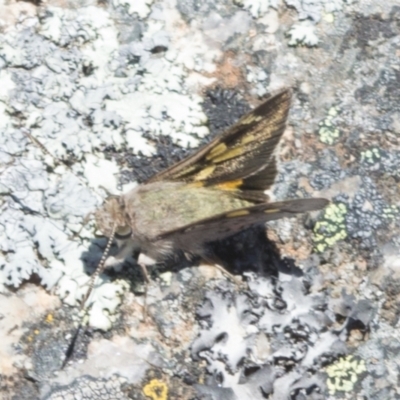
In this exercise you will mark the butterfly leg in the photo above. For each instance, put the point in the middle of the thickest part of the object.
(143, 262)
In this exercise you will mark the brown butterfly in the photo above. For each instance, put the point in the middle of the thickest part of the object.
(213, 194)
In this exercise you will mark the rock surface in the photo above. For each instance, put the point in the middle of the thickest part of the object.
(117, 91)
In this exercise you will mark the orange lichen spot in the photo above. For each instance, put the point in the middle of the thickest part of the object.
(156, 390)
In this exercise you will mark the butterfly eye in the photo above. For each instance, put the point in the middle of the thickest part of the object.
(123, 232)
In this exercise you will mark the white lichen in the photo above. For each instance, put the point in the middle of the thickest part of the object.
(140, 7)
(77, 90)
(313, 9)
(303, 33)
(257, 8)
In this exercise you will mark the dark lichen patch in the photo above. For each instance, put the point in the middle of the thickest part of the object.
(46, 343)
(388, 85)
(366, 30)
(87, 387)
(391, 305)
(18, 386)
(140, 167)
(367, 214)
(223, 108)
(327, 170)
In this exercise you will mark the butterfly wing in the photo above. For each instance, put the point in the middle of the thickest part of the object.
(241, 159)
(223, 225)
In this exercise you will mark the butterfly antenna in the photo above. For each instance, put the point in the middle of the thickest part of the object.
(99, 270)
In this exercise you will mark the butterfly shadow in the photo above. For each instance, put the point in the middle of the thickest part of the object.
(247, 251)
(252, 251)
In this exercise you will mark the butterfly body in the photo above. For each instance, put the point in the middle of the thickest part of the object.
(211, 195)
(154, 209)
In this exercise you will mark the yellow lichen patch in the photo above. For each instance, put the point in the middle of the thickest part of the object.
(217, 150)
(231, 185)
(328, 133)
(238, 213)
(227, 155)
(49, 318)
(36, 332)
(156, 390)
(344, 374)
(204, 173)
(331, 227)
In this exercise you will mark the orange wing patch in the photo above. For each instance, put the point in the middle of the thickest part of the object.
(230, 185)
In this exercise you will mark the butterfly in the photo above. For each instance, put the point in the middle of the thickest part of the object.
(211, 195)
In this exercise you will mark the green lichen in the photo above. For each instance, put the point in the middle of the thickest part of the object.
(344, 374)
(371, 156)
(331, 227)
(328, 132)
(390, 212)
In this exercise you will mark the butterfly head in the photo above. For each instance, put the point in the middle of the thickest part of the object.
(112, 214)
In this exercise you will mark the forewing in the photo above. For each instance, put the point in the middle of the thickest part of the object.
(226, 224)
(244, 151)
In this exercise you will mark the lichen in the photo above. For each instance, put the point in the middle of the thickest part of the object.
(303, 33)
(344, 374)
(78, 90)
(257, 8)
(331, 227)
(328, 132)
(156, 390)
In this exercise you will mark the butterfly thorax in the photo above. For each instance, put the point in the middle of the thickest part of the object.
(159, 207)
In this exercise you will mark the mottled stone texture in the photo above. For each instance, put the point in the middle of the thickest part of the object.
(117, 91)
